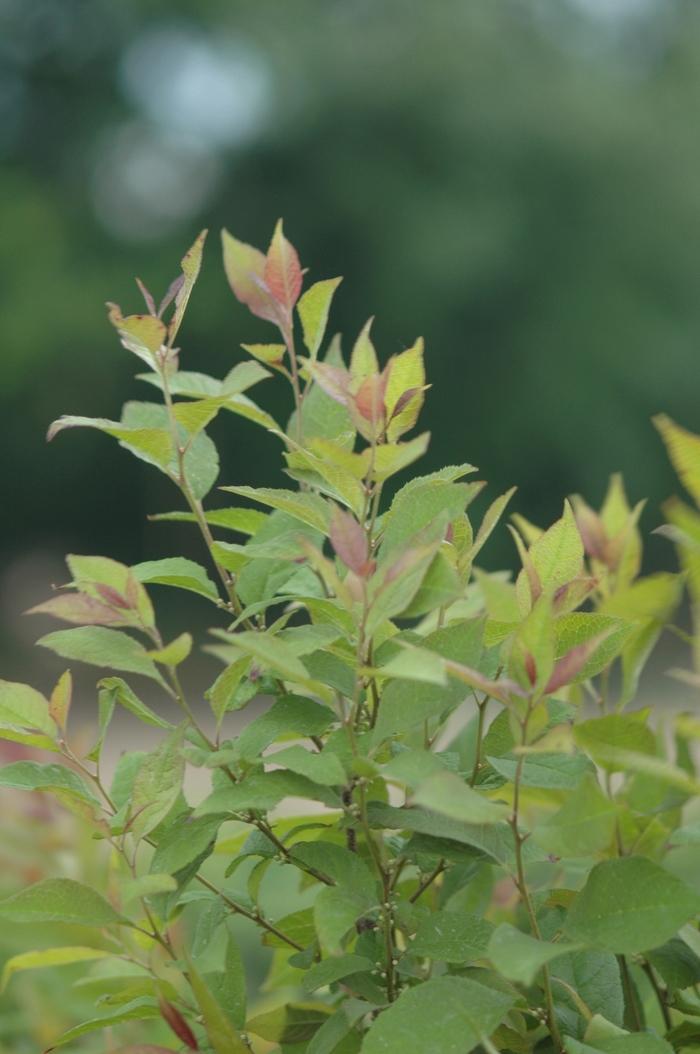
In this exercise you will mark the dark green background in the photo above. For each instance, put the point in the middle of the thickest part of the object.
(516, 181)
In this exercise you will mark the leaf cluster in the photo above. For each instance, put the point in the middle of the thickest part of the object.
(494, 848)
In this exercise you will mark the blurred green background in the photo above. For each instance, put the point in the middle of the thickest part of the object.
(517, 180)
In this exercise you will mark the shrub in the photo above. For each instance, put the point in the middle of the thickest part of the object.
(495, 851)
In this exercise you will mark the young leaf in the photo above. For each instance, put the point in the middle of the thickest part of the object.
(404, 390)
(23, 706)
(283, 274)
(245, 270)
(314, 307)
(191, 263)
(684, 451)
(48, 957)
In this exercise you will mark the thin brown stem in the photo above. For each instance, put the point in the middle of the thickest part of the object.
(521, 881)
(660, 993)
(428, 881)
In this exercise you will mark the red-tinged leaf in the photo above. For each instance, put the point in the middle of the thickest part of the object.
(531, 668)
(350, 542)
(369, 400)
(60, 700)
(592, 531)
(172, 1016)
(404, 399)
(501, 689)
(334, 380)
(170, 294)
(572, 663)
(112, 596)
(283, 274)
(245, 270)
(147, 296)
(570, 596)
(81, 610)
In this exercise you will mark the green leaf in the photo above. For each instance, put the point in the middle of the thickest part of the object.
(684, 451)
(308, 508)
(550, 771)
(342, 866)
(157, 786)
(48, 957)
(595, 977)
(630, 905)
(417, 507)
(222, 694)
(30, 775)
(201, 459)
(289, 715)
(557, 557)
(580, 627)
(520, 957)
(452, 937)
(147, 886)
(121, 693)
(678, 964)
(179, 572)
(138, 1010)
(406, 374)
(174, 653)
(292, 1023)
(322, 768)
(191, 263)
(59, 900)
(154, 445)
(337, 967)
(495, 840)
(99, 646)
(338, 1028)
(584, 825)
(447, 794)
(314, 307)
(335, 913)
(406, 703)
(183, 842)
(264, 790)
(637, 1043)
(222, 1034)
(23, 706)
(196, 415)
(273, 653)
(443, 1014)
(390, 458)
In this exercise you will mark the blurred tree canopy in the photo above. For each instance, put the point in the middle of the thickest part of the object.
(517, 180)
